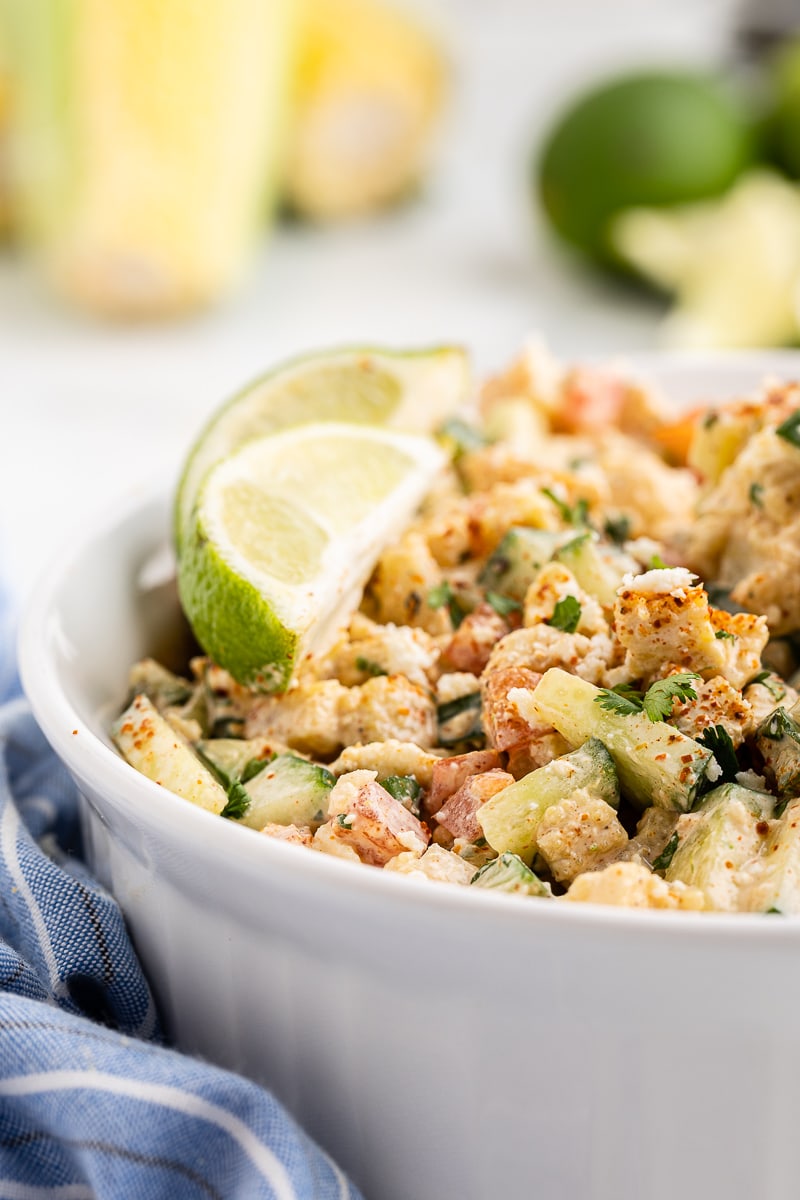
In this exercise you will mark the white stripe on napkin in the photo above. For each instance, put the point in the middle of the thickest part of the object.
(169, 1097)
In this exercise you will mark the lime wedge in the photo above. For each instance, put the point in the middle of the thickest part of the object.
(284, 535)
(411, 390)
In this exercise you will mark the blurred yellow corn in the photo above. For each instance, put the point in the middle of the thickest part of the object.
(5, 113)
(368, 86)
(148, 131)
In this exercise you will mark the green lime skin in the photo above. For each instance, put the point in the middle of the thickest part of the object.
(652, 139)
(782, 121)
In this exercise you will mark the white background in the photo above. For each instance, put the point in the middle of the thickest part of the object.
(90, 413)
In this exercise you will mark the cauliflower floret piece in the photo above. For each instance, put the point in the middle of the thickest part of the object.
(631, 885)
(541, 647)
(388, 706)
(508, 460)
(765, 697)
(391, 757)
(298, 835)
(575, 833)
(555, 582)
(371, 649)
(741, 653)
(366, 818)
(458, 813)
(535, 376)
(492, 513)
(305, 718)
(445, 530)
(717, 703)
(662, 617)
(662, 497)
(746, 535)
(326, 841)
(401, 583)
(436, 863)
(473, 641)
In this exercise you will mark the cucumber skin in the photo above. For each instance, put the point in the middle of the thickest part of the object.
(567, 702)
(510, 820)
(289, 791)
(781, 753)
(724, 833)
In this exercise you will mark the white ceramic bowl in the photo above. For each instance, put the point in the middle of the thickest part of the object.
(440, 1042)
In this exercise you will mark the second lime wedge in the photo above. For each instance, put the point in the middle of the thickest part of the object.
(407, 390)
(284, 534)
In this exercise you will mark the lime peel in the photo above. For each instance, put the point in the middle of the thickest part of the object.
(252, 616)
(406, 390)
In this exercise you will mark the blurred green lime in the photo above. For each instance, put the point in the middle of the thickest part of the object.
(783, 120)
(656, 138)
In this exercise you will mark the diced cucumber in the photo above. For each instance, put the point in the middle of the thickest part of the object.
(656, 763)
(150, 744)
(234, 759)
(510, 819)
(592, 566)
(165, 690)
(515, 563)
(778, 742)
(508, 873)
(722, 837)
(775, 887)
(289, 791)
(405, 789)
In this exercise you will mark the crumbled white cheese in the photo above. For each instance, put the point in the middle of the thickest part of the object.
(670, 581)
(713, 771)
(750, 779)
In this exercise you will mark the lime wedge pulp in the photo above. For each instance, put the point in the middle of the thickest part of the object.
(284, 535)
(409, 390)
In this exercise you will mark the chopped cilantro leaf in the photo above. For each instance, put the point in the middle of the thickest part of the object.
(253, 767)
(658, 698)
(460, 437)
(789, 430)
(656, 701)
(345, 820)
(238, 802)
(369, 667)
(612, 701)
(576, 514)
(657, 563)
(724, 634)
(771, 682)
(757, 494)
(665, 857)
(452, 708)
(442, 594)
(779, 911)
(717, 739)
(566, 615)
(502, 605)
(618, 529)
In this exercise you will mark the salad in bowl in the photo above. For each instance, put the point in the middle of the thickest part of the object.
(544, 646)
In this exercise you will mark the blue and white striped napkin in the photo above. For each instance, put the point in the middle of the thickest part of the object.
(92, 1106)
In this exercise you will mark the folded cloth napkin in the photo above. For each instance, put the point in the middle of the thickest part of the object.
(91, 1104)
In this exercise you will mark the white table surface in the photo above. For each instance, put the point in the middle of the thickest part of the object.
(90, 413)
